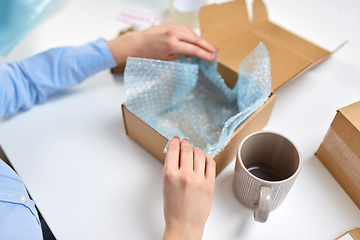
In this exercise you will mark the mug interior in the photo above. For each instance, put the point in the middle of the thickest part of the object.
(269, 156)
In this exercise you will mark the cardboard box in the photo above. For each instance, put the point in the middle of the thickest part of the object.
(227, 27)
(340, 150)
(353, 234)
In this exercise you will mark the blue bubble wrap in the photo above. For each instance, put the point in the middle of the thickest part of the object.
(188, 98)
(18, 17)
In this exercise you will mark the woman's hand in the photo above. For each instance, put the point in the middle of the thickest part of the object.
(164, 42)
(189, 181)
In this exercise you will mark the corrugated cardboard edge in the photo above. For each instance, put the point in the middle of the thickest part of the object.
(355, 234)
(154, 142)
(338, 173)
(349, 136)
(343, 155)
(346, 150)
(352, 115)
(347, 142)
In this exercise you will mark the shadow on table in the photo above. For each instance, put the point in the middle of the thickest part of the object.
(234, 209)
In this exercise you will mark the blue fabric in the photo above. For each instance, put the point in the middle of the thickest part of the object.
(34, 79)
(23, 84)
(19, 219)
(17, 18)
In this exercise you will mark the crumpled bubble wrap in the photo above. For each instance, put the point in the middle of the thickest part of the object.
(17, 18)
(188, 98)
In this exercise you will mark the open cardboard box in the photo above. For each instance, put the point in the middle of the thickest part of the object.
(353, 234)
(340, 150)
(227, 27)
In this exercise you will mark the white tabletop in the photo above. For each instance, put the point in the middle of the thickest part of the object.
(90, 181)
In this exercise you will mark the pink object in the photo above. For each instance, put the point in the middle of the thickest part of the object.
(139, 19)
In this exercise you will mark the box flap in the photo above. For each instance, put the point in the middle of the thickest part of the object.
(352, 113)
(355, 234)
(227, 27)
(259, 12)
(221, 22)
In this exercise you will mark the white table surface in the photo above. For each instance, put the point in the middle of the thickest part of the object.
(91, 181)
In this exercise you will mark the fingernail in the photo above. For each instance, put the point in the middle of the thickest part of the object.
(177, 137)
(216, 50)
(186, 139)
(213, 57)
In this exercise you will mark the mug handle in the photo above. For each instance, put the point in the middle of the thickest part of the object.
(262, 209)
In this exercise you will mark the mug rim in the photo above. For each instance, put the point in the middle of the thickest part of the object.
(260, 179)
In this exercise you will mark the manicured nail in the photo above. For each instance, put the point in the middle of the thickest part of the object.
(186, 139)
(177, 137)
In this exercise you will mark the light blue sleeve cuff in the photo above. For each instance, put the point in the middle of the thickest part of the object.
(94, 57)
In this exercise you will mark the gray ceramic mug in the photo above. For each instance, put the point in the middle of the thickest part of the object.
(267, 164)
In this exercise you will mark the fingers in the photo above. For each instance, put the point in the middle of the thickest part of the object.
(210, 169)
(188, 35)
(204, 44)
(172, 155)
(184, 41)
(190, 159)
(186, 156)
(199, 42)
(199, 161)
(191, 49)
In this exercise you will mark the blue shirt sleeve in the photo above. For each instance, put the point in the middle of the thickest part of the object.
(23, 84)
(34, 79)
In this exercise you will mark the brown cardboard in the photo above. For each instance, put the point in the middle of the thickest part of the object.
(227, 27)
(340, 150)
(355, 234)
(144, 135)
(154, 142)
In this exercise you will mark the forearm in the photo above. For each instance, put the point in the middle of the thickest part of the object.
(189, 181)
(34, 79)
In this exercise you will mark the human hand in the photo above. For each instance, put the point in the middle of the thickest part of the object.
(164, 42)
(189, 181)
